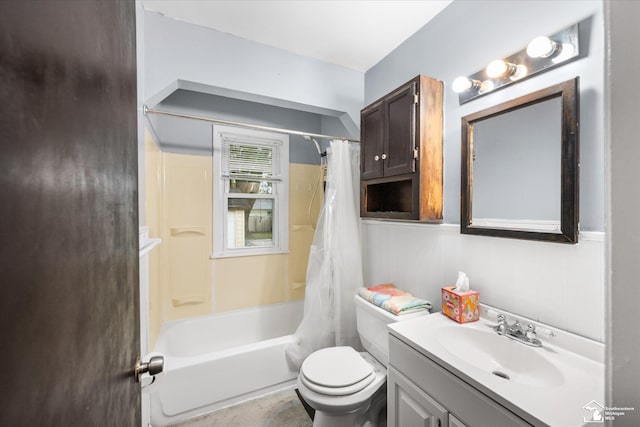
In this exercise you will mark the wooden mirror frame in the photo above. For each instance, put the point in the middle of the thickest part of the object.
(569, 93)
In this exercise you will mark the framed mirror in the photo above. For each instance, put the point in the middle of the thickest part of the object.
(520, 167)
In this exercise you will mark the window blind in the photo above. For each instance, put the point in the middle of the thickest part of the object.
(253, 159)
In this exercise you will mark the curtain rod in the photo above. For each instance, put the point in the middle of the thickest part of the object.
(146, 110)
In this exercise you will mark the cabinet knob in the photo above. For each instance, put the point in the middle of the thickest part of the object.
(376, 157)
(384, 156)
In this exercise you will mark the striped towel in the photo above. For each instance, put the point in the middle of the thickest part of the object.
(392, 299)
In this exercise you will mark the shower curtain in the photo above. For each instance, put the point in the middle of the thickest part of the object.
(334, 272)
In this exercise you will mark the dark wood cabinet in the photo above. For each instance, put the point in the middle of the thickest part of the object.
(400, 116)
(372, 130)
(401, 153)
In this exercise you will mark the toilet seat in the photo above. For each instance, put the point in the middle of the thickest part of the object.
(336, 371)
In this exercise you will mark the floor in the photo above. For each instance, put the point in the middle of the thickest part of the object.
(277, 409)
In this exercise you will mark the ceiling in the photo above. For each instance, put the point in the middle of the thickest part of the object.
(354, 34)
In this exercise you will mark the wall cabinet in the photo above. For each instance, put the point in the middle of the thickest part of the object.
(401, 153)
(422, 393)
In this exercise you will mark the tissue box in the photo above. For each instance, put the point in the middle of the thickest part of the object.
(463, 307)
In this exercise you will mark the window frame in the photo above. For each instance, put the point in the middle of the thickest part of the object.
(280, 193)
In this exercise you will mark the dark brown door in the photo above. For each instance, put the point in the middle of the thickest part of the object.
(69, 310)
(400, 111)
(372, 141)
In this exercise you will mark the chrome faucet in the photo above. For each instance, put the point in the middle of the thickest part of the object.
(516, 329)
(502, 326)
(516, 332)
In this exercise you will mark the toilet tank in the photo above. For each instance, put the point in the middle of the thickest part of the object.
(372, 327)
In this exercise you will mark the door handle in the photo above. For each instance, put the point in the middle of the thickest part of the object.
(154, 366)
(384, 156)
(376, 158)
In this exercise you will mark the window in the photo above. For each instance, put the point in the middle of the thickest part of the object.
(250, 181)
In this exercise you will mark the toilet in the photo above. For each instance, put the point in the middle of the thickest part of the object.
(348, 388)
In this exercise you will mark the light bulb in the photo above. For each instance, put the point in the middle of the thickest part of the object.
(463, 84)
(566, 51)
(520, 72)
(499, 68)
(541, 47)
(486, 86)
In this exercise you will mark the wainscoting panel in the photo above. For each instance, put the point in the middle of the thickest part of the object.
(557, 284)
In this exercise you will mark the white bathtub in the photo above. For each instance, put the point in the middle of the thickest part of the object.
(214, 361)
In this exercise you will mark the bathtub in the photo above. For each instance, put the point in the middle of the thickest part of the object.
(214, 361)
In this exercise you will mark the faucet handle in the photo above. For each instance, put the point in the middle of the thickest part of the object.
(502, 326)
(530, 333)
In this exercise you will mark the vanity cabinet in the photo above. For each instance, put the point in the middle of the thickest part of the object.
(454, 422)
(401, 153)
(422, 393)
(407, 405)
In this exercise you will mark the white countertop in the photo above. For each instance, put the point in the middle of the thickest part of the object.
(558, 403)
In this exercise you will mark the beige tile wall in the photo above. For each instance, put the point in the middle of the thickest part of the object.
(186, 233)
(153, 163)
(184, 281)
(305, 200)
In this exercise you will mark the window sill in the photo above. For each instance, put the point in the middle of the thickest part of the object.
(249, 253)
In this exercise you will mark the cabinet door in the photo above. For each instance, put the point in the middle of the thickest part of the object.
(400, 141)
(454, 422)
(372, 141)
(408, 406)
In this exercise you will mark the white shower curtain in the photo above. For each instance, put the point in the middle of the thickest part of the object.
(334, 272)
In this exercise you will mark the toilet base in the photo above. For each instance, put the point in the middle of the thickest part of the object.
(324, 419)
(372, 415)
(310, 411)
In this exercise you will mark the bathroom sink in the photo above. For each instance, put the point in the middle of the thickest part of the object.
(567, 369)
(503, 357)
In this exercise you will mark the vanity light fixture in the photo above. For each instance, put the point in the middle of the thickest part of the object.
(499, 68)
(542, 47)
(462, 84)
(567, 51)
(486, 86)
(521, 71)
(541, 54)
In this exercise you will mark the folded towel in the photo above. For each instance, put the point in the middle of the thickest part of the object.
(392, 299)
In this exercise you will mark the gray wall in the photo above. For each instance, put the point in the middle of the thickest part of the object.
(173, 54)
(623, 239)
(194, 137)
(465, 37)
(179, 50)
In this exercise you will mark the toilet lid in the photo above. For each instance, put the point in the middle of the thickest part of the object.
(337, 367)
(338, 391)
